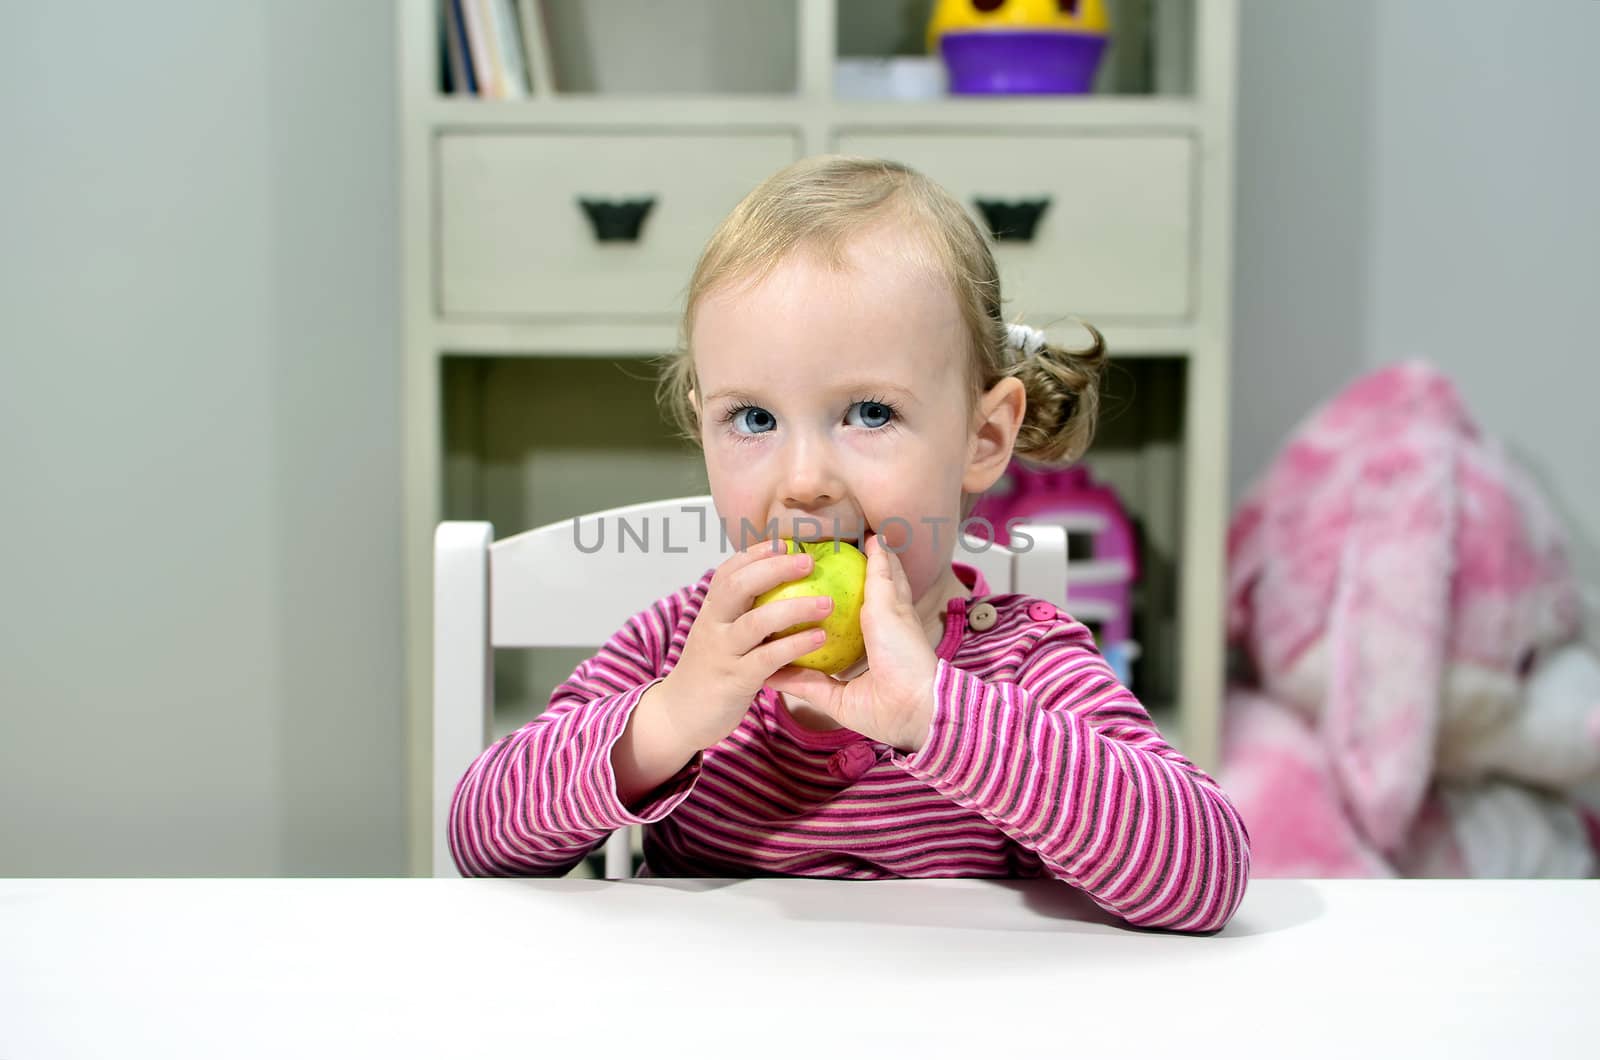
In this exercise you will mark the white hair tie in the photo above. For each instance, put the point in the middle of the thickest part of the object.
(1025, 339)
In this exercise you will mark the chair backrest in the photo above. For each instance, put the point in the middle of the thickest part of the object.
(603, 567)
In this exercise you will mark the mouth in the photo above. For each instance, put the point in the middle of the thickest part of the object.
(857, 539)
(861, 542)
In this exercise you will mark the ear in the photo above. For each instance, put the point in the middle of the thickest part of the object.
(1389, 630)
(994, 432)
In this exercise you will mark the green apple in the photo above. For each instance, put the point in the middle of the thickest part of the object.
(839, 570)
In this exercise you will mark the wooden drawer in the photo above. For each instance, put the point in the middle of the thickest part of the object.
(513, 239)
(1114, 241)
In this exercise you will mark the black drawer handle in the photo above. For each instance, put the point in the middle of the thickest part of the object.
(617, 222)
(1013, 222)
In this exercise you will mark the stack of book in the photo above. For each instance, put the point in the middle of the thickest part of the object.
(486, 48)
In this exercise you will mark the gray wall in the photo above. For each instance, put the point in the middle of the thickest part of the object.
(200, 637)
(1418, 179)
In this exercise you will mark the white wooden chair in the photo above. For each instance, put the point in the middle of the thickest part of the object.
(551, 587)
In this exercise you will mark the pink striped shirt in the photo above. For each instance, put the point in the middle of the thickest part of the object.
(1038, 762)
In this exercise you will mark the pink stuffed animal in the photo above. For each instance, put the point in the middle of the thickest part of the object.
(1401, 592)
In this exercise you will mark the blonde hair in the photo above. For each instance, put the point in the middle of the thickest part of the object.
(821, 204)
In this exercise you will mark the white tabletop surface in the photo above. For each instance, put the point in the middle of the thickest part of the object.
(804, 968)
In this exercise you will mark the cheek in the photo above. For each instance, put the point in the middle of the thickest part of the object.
(734, 488)
(924, 567)
(732, 492)
(722, 464)
(924, 548)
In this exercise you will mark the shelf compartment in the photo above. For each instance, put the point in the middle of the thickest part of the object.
(1139, 451)
(1149, 53)
(619, 48)
(574, 50)
(531, 441)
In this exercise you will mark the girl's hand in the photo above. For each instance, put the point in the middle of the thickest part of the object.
(892, 702)
(724, 661)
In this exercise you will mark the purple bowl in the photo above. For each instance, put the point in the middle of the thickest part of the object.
(1014, 63)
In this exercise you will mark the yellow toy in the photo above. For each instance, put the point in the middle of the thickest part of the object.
(1009, 47)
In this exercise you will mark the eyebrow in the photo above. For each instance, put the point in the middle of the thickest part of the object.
(854, 386)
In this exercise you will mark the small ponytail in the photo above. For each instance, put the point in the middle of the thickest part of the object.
(1063, 388)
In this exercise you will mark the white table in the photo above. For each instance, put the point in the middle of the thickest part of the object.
(807, 968)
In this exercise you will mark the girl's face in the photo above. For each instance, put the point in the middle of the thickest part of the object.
(835, 402)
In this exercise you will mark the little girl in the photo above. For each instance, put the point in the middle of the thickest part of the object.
(846, 364)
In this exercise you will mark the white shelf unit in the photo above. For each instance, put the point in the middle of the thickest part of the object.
(528, 393)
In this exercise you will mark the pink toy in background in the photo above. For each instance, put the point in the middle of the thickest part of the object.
(1420, 701)
(1100, 584)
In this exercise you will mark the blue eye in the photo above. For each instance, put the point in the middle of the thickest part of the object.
(870, 414)
(752, 419)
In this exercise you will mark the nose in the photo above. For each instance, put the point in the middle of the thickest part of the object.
(811, 476)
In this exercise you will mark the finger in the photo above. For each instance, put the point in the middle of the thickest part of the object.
(888, 606)
(769, 573)
(897, 572)
(880, 571)
(770, 546)
(775, 616)
(777, 654)
(730, 567)
(731, 595)
(818, 689)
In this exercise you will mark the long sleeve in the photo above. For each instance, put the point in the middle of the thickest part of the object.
(1067, 763)
(539, 800)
